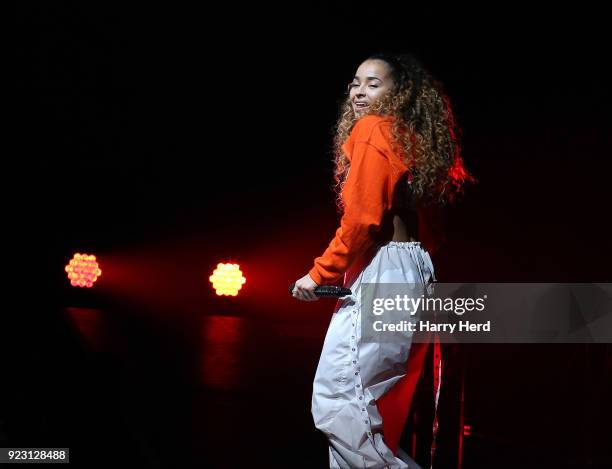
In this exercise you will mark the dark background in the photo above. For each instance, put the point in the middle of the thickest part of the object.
(165, 139)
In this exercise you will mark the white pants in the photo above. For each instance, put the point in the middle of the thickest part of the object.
(352, 376)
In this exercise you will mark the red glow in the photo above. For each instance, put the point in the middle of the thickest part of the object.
(83, 270)
(457, 173)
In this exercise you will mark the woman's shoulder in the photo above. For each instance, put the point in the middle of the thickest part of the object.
(368, 123)
(373, 129)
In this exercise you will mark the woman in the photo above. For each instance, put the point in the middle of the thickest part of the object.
(397, 162)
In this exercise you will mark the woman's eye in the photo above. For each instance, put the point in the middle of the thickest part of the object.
(352, 85)
(373, 86)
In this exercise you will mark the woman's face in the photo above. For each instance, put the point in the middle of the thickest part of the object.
(372, 81)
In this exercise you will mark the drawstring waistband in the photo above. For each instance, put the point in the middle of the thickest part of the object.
(415, 244)
(404, 244)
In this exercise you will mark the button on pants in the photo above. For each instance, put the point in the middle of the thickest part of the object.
(351, 376)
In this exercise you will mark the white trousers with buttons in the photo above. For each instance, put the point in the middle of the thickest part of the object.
(352, 376)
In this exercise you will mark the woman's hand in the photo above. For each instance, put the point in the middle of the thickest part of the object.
(304, 289)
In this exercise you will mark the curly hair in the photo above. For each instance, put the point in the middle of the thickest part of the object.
(424, 133)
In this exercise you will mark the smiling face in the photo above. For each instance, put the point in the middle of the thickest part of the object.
(372, 81)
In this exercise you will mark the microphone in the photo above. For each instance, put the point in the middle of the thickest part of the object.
(326, 290)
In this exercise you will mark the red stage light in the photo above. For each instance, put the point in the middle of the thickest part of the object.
(227, 279)
(83, 270)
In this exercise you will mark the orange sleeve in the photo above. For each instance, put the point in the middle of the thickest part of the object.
(366, 196)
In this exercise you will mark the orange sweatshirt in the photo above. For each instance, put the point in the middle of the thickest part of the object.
(374, 172)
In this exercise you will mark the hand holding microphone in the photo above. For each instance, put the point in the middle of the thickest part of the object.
(308, 290)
